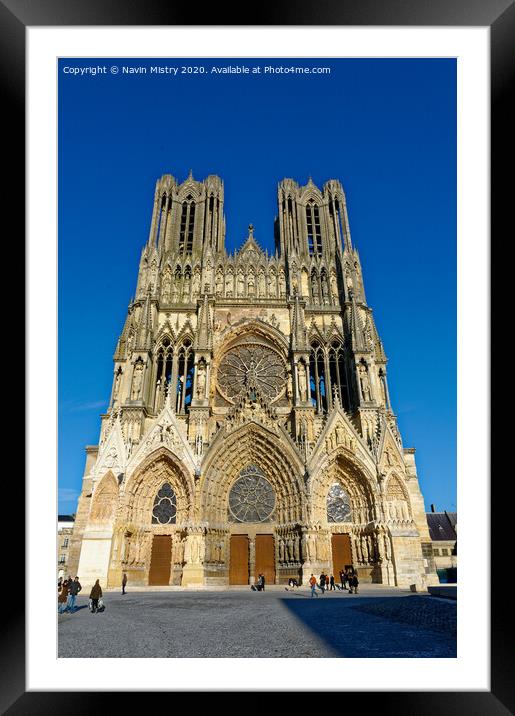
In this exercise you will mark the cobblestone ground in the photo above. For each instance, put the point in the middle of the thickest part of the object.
(375, 623)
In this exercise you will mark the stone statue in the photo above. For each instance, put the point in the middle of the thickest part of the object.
(325, 291)
(196, 282)
(261, 284)
(365, 383)
(117, 384)
(289, 387)
(340, 434)
(282, 284)
(201, 380)
(334, 286)
(251, 284)
(301, 369)
(187, 286)
(281, 550)
(290, 549)
(167, 284)
(296, 549)
(272, 288)
(314, 288)
(387, 547)
(136, 381)
(219, 283)
(241, 284)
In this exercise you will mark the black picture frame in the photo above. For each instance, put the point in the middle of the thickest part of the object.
(499, 16)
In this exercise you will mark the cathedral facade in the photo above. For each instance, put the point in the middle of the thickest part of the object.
(249, 428)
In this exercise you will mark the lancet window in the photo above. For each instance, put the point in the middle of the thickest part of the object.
(163, 372)
(328, 375)
(185, 371)
(314, 232)
(187, 225)
(338, 374)
(318, 379)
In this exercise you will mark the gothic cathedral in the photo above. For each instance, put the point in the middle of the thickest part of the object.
(250, 428)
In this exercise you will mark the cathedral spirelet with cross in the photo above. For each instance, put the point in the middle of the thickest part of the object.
(249, 428)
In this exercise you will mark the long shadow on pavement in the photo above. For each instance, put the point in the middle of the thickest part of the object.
(356, 626)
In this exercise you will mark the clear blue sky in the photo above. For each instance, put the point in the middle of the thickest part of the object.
(386, 128)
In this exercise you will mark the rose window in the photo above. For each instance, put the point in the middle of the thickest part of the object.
(251, 367)
(165, 506)
(338, 505)
(252, 497)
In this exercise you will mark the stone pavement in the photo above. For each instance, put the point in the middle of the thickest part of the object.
(377, 622)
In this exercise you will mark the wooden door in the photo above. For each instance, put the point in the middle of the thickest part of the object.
(342, 553)
(239, 567)
(265, 558)
(160, 560)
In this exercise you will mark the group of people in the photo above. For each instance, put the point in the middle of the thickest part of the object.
(260, 584)
(68, 589)
(348, 578)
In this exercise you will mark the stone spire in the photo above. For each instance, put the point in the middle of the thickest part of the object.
(144, 335)
(357, 333)
(298, 333)
(121, 346)
(204, 332)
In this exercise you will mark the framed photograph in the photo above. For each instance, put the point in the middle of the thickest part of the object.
(252, 222)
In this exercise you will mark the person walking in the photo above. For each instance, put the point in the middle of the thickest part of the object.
(63, 597)
(355, 582)
(321, 583)
(263, 582)
(124, 582)
(327, 582)
(94, 595)
(313, 583)
(332, 588)
(343, 579)
(73, 589)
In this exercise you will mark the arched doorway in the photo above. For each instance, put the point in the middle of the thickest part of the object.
(157, 502)
(254, 489)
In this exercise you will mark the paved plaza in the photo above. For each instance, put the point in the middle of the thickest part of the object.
(377, 622)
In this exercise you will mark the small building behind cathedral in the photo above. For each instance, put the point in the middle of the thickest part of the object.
(249, 428)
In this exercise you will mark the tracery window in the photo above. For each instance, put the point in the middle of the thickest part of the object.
(163, 372)
(317, 376)
(251, 366)
(338, 374)
(165, 506)
(314, 233)
(187, 225)
(252, 497)
(185, 372)
(338, 504)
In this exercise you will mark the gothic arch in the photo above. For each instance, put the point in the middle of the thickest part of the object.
(398, 505)
(105, 499)
(356, 482)
(143, 485)
(246, 328)
(229, 455)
